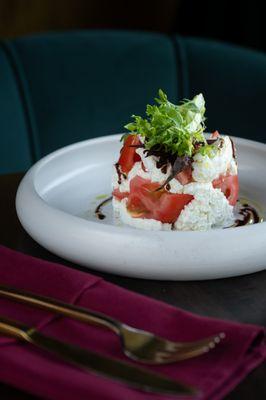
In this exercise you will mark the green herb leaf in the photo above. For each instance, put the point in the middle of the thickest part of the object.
(124, 136)
(209, 150)
(173, 128)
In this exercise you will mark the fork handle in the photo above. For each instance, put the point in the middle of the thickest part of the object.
(59, 307)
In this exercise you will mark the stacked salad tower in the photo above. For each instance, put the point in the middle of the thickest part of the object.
(171, 175)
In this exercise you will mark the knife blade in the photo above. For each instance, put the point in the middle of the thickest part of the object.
(131, 375)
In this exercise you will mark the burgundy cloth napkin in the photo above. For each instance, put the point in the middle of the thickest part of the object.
(37, 372)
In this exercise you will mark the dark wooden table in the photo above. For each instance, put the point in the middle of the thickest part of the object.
(241, 299)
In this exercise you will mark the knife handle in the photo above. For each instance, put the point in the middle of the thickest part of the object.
(59, 307)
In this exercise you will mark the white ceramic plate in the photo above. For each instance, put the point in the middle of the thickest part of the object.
(56, 201)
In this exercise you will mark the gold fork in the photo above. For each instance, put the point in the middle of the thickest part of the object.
(137, 344)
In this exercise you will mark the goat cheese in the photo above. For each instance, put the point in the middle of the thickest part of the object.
(206, 169)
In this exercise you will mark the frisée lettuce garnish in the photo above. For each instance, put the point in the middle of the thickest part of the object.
(173, 129)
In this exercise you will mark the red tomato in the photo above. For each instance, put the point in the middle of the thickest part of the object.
(185, 176)
(144, 201)
(119, 195)
(128, 155)
(229, 186)
(215, 135)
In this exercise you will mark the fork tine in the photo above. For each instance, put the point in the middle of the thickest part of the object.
(208, 341)
(191, 349)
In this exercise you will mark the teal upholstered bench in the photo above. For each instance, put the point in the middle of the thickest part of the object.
(57, 89)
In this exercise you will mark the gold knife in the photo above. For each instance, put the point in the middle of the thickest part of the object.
(135, 377)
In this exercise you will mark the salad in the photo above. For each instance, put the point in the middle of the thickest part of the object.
(170, 174)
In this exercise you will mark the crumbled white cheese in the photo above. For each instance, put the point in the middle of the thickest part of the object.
(116, 206)
(115, 184)
(232, 167)
(153, 173)
(208, 209)
(206, 169)
(125, 182)
(175, 186)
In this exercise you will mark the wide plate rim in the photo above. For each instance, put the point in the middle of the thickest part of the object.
(27, 187)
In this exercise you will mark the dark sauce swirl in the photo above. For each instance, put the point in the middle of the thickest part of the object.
(250, 216)
(98, 210)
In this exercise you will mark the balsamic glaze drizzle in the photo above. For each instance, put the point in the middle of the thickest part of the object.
(119, 173)
(98, 210)
(250, 216)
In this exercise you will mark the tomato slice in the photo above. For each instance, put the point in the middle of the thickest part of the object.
(128, 155)
(170, 206)
(185, 176)
(229, 186)
(215, 135)
(119, 195)
(145, 202)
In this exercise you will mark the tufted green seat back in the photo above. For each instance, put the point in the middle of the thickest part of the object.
(59, 88)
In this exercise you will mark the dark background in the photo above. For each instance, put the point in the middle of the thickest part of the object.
(232, 21)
